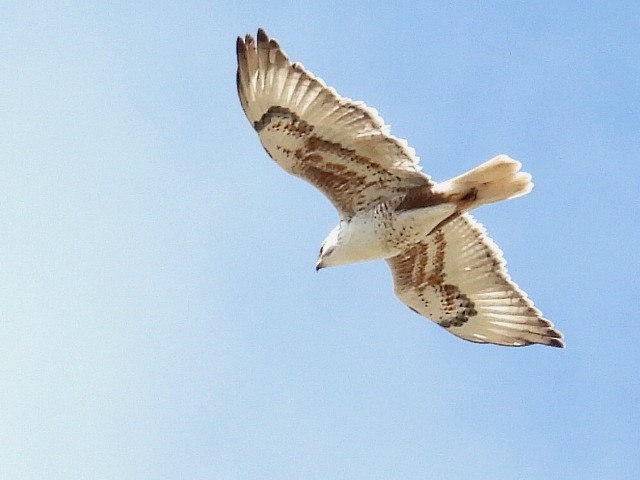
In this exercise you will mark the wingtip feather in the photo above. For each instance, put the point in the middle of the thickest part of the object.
(556, 342)
(262, 36)
(240, 48)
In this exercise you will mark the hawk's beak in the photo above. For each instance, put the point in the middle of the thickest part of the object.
(319, 265)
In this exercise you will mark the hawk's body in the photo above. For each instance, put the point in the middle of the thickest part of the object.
(443, 264)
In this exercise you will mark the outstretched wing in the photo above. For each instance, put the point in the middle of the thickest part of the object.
(340, 146)
(457, 278)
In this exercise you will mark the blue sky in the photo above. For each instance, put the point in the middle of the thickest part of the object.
(160, 315)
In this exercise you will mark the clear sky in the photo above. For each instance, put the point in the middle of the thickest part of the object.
(160, 315)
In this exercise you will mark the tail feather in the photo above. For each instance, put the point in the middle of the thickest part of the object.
(497, 179)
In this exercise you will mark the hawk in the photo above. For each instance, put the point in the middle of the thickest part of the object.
(444, 265)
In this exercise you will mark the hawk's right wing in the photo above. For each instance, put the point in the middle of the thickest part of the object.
(340, 146)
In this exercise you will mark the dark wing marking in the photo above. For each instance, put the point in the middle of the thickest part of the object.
(340, 146)
(457, 278)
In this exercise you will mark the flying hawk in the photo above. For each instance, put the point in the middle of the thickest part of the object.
(444, 265)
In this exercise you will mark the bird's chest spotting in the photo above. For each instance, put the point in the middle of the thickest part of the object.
(363, 238)
(376, 235)
(384, 232)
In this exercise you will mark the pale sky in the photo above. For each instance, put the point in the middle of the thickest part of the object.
(161, 317)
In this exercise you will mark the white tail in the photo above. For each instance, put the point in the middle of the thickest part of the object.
(495, 180)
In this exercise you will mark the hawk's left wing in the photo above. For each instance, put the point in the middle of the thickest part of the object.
(457, 278)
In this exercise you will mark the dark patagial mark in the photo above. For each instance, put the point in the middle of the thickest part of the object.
(470, 196)
(421, 197)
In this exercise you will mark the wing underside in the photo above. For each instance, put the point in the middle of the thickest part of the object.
(340, 146)
(458, 279)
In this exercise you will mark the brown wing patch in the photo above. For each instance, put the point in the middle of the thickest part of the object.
(421, 197)
(456, 307)
(349, 179)
(285, 120)
(423, 267)
(457, 278)
(340, 146)
(333, 179)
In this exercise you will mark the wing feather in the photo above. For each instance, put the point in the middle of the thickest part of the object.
(457, 277)
(340, 146)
